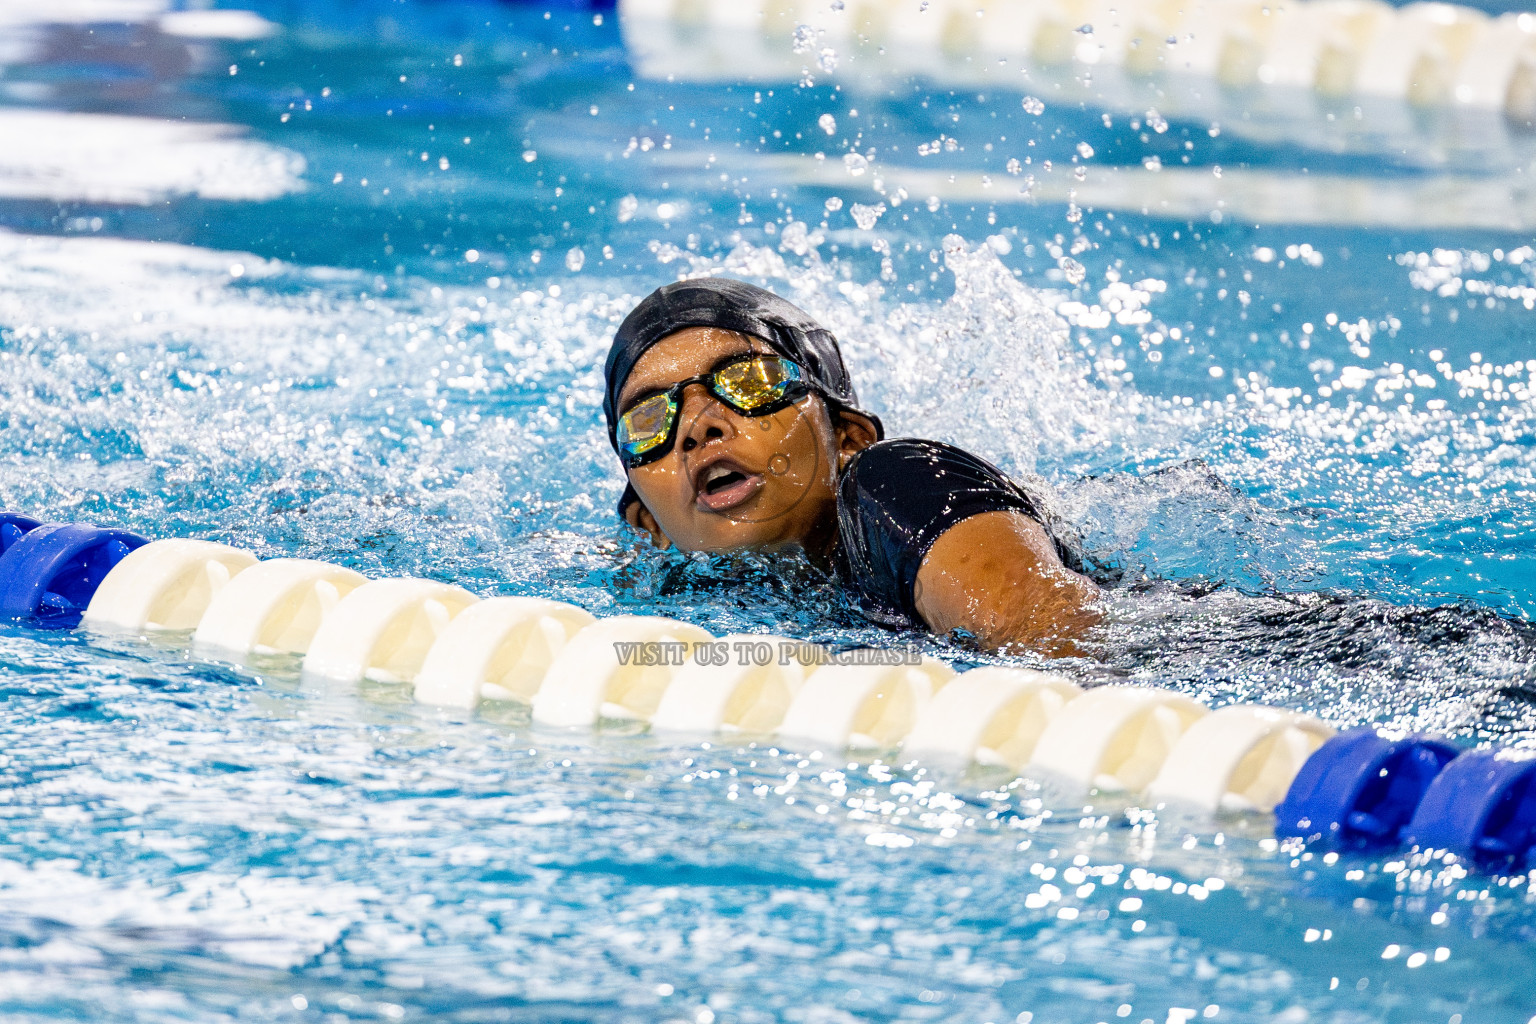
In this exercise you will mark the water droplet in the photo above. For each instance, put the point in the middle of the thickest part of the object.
(575, 259)
(866, 216)
(828, 123)
(1033, 106)
(855, 163)
(779, 464)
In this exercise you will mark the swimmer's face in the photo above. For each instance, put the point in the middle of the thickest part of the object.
(731, 481)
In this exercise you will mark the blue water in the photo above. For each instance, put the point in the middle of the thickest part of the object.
(237, 303)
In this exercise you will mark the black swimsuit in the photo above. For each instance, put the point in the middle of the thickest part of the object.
(897, 497)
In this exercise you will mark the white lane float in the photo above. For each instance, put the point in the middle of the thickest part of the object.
(383, 630)
(1252, 40)
(1417, 54)
(166, 584)
(1208, 40)
(1345, 30)
(1240, 758)
(274, 607)
(868, 707)
(1004, 28)
(615, 668)
(740, 696)
(1114, 738)
(1500, 69)
(1424, 53)
(993, 716)
(498, 649)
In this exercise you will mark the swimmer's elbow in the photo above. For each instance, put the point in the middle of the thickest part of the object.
(998, 578)
(1049, 619)
(1054, 629)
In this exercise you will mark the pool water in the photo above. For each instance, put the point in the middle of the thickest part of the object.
(342, 290)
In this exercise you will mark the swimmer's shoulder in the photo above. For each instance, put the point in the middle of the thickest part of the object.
(897, 463)
(895, 499)
(910, 471)
(900, 495)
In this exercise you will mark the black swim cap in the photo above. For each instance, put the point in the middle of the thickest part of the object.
(733, 306)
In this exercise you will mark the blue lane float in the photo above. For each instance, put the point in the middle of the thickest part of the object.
(12, 526)
(1360, 789)
(47, 577)
(1482, 807)
(1355, 790)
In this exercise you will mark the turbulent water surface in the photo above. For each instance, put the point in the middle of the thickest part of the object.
(336, 282)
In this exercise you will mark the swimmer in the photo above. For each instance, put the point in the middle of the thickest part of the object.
(738, 427)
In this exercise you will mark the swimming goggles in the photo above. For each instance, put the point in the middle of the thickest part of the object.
(751, 385)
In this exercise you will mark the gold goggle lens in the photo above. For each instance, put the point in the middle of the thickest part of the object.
(754, 382)
(645, 426)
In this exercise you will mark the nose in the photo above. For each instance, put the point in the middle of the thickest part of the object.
(704, 419)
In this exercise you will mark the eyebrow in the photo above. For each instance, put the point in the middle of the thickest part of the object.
(626, 403)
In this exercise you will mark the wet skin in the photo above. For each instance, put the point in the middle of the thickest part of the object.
(733, 482)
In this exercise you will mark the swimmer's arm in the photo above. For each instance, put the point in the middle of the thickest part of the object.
(997, 576)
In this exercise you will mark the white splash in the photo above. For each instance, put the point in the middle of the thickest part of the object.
(136, 160)
(223, 24)
(79, 12)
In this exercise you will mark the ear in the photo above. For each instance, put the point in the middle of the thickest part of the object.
(855, 432)
(640, 517)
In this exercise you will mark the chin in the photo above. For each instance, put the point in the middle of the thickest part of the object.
(739, 537)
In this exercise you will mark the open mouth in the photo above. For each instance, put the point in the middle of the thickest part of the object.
(719, 478)
(725, 485)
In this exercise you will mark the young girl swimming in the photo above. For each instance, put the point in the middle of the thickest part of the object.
(738, 427)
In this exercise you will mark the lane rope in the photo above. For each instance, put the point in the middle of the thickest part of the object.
(1356, 790)
(1427, 54)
